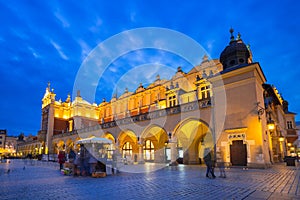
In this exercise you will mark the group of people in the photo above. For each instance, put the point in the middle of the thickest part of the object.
(82, 163)
(83, 160)
(211, 164)
(75, 160)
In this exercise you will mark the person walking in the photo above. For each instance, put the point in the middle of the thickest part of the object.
(61, 159)
(221, 164)
(209, 164)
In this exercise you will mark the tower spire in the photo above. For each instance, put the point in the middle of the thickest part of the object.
(238, 36)
(48, 87)
(231, 34)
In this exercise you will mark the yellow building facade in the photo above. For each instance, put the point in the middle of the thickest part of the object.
(221, 104)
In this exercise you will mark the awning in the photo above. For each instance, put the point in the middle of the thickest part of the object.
(94, 140)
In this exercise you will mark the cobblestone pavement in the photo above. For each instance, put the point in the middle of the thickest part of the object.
(42, 180)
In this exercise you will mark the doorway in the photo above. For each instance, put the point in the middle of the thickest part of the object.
(238, 153)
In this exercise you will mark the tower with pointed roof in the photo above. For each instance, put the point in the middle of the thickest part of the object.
(236, 53)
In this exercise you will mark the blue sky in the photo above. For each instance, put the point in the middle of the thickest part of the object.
(43, 41)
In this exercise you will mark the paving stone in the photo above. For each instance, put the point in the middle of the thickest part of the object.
(42, 180)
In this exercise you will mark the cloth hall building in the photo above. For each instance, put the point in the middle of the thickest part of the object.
(223, 104)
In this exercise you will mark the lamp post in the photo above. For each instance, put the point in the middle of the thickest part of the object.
(270, 121)
(282, 145)
(270, 126)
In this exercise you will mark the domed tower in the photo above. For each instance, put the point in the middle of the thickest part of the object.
(235, 53)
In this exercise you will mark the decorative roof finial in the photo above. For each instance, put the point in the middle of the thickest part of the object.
(179, 69)
(157, 77)
(248, 47)
(171, 86)
(204, 75)
(78, 93)
(205, 58)
(68, 98)
(238, 36)
(231, 34)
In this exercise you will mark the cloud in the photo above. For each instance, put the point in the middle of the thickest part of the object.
(113, 69)
(59, 50)
(63, 21)
(96, 27)
(20, 34)
(85, 48)
(210, 45)
(33, 52)
(132, 16)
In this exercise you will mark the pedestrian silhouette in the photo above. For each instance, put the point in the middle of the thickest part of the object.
(61, 159)
(221, 164)
(209, 163)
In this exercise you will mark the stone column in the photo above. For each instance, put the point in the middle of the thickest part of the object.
(174, 153)
(141, 154)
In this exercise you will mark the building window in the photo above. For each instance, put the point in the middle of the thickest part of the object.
(1, 137)
(148, 150)
(127, 149)
(172, 101)
(289, 124)
(205, 92)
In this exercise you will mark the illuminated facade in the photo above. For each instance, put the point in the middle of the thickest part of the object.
(185, 104)
(2, 138)
(8, 144)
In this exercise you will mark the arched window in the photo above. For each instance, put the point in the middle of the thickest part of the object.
(205, 92)
(172, 100)
(127, 149)
(148, 150)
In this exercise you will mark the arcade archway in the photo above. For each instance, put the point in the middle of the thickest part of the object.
(128, 144)
(193, 136)
(154, 140)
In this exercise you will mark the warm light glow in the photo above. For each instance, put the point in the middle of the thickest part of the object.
(292, 148)
(289, 144)
(281, 139)
(271, 126)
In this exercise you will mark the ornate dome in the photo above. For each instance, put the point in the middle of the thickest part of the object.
(235, 53)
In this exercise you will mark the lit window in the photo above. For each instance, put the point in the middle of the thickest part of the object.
(172, 101)
(127, 149)
(205, 92)
(148, 150)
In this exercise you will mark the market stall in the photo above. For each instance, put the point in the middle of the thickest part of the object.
(95, 156)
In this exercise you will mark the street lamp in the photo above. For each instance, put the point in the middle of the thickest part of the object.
(281, 138)
(270, 122)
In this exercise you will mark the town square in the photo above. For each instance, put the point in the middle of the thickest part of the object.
(149, 100)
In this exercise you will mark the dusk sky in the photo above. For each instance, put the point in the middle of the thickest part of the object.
(45, 41)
